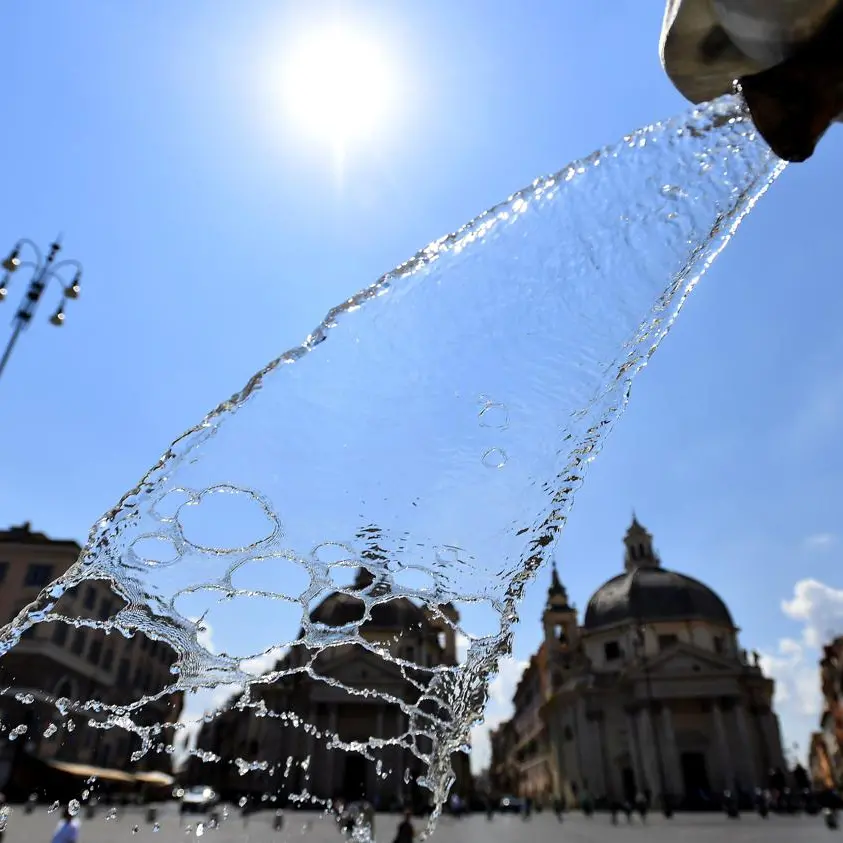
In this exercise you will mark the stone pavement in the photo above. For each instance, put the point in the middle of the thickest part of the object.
(301, 827)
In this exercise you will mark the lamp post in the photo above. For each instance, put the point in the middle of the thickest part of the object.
(667, 807)
(43, 269)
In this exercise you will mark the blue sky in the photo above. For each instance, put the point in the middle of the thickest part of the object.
(215, 235)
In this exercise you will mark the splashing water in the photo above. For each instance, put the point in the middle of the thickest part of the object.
(435, 436)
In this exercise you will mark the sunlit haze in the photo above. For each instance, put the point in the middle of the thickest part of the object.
(338, 85)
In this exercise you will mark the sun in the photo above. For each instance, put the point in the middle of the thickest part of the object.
(338, 86)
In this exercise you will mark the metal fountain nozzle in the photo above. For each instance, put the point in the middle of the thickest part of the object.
(785, 57)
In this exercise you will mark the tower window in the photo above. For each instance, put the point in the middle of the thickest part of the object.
(612, 651)
(667, 641)
(719, 644)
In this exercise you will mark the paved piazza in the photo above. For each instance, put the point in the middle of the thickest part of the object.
(303, 827)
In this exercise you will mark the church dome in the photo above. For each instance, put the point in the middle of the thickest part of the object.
(648, 593)
(339, 609)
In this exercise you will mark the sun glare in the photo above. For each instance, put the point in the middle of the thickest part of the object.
(338, 86)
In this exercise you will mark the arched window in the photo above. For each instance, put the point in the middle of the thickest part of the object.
(65, 689)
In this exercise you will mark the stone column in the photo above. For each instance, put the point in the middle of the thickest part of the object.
(670, 755)
(748, 774)
(774, 739)
(727, 767)
(635, 750)
(584, 746)
(648, 751)
(600, 784)
(330, 771)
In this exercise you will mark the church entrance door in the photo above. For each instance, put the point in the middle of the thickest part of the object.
(354, 777)
(629, 788)
(695, 776)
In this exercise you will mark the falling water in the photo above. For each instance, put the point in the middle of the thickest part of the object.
(433, 427)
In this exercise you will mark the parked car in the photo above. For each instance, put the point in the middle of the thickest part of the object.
(199, 800)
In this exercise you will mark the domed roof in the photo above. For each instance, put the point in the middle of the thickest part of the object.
(647, 595)
(339, 609)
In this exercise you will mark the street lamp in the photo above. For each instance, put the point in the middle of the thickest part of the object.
(667, 807)
(43, 271)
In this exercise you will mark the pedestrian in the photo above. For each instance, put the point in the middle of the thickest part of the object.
(67, 830)
(405, 832)
(641, 806)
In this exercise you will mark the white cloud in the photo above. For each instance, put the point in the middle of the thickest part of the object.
(820, 541)
(204, 634)
(819, 607)
(498, 709)
(795, 663)
(264, 662)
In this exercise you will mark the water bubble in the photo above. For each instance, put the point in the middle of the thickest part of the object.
(111, 816)
(135, 829)
(156, 828)
(73, 807)
(54, 807)
(200, 829)
(50, 730)
(18, 731)
(26, 699)
(495, 458)
(188, 830)
(242, 801)
(494, 415)
(70, 725)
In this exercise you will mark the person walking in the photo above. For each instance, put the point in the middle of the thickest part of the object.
(67, 830)
(405, 832)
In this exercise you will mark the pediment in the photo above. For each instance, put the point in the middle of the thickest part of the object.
(358, 669)
(685, 660)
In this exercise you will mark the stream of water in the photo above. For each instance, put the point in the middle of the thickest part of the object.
(433, 429)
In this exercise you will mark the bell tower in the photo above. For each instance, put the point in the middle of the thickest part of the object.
(561, 631)
(639, 548)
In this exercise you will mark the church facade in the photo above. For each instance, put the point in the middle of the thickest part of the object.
(327, 706)
(649, 693)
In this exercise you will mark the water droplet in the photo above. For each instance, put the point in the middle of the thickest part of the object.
(73, 807)
(200, 829)
(494, 415)
(111, 816)
(135, 829)
(188, 830)
(54, 807)
(70, 725)
(156, 828)
(242, 801)
(50, 730)
(495, 458)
